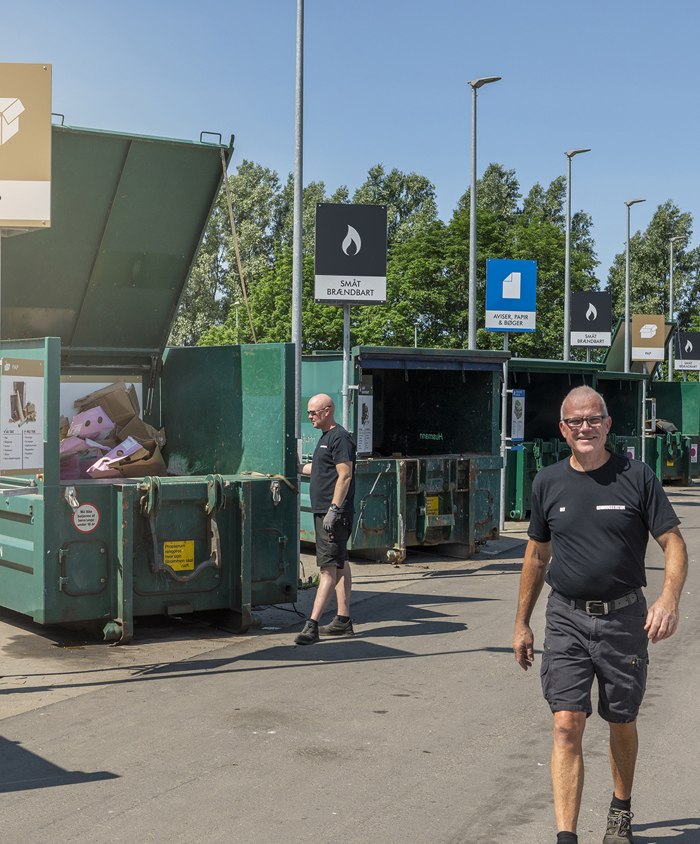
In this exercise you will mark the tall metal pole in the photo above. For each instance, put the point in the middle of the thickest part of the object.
(471, 325)
(297, 247)
(567, 256)
(671, 241)
(346, 366)
(627, 285)
(298, 222)
(504, 443)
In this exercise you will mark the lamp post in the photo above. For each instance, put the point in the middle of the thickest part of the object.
(235, 305)
(627, 285)
(567, 259)
(471, 331)
(415, 334)
(671, 240)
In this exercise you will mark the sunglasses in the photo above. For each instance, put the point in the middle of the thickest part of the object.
(316, 412)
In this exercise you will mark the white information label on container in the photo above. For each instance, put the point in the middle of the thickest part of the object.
(517, 419)
(631, 452)
(21, 416)
(693, 453)
(86, 518)
(364, 417)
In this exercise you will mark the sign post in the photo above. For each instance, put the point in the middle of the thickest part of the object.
(511, 294)
(648, 332)
(350, 266)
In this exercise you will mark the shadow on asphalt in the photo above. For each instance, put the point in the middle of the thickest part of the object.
(670, 831)
(23, 770)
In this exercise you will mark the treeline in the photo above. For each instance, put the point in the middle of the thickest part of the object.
(427, 274)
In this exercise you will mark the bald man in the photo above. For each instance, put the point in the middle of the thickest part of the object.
(590, 522)
(332, 474)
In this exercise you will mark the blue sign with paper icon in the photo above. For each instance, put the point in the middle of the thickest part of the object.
(511, 295)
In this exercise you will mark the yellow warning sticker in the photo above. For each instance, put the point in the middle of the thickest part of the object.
(179, 555)
(670, 463)
(432, 505)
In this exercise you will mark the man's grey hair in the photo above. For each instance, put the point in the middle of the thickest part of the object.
(581, 393)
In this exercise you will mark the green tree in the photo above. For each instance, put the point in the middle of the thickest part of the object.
(214, 285)
(650, 267)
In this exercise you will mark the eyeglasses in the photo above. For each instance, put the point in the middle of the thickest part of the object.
(576, 422)
(316, 412)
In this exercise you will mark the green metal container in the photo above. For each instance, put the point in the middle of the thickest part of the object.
(677, 402)
(218, 536)
(623, 394)
(427, 426)
(546, 384)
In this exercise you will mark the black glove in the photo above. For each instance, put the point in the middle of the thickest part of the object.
(330, 519)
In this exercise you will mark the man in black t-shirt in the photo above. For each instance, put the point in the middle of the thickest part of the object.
(332, 491)
(590, 521)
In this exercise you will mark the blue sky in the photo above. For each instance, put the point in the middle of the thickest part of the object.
(386, 81)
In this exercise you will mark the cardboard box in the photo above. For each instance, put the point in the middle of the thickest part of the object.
(142, 432)
(120, 404)
(90, 423)
(145, 467)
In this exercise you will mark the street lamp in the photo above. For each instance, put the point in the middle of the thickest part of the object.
(415, 334)
(671, 240)
(627, 285)
(471, 331)
(567, 260)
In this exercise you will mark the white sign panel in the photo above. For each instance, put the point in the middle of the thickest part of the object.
(631, 452)
(517, 418)
(22, 416)
(364, 417)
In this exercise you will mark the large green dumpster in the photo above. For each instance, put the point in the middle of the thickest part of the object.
(427, 426)
(546, 384)
(216, 535)
(678, 403)
(623, 393)
(667, 451)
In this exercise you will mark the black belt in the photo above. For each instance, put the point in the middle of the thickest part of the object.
(601, 607)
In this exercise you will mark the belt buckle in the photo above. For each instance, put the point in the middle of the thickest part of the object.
(592, 606)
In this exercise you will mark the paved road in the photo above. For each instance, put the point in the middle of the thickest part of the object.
(420, 729)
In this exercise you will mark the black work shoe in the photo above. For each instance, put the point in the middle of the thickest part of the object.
(619, 827)
(337, 628)
(308, 635)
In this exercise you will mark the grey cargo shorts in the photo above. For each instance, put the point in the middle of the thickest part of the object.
(611, 648)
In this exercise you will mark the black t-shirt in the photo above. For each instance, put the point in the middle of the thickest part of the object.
(335, 446)
(599, 524)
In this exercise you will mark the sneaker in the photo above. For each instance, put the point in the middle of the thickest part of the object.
(337, 628)
(619, 827)
(308, 635)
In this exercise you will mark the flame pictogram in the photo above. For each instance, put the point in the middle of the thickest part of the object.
(352, 237)
(688, 346)
(591, 313)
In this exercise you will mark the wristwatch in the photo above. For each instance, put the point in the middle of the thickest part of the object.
(333, 507)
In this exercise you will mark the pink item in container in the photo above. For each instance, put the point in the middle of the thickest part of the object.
(70, 468)
(90, 423)
(107, 466)
(72, 445)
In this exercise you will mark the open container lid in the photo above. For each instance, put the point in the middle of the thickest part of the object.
(614, 359)
(128, 215)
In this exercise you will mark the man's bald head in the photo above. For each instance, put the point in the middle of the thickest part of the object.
(321, 411)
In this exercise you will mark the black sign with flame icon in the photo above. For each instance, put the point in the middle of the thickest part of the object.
(687, 350)
(591, 318)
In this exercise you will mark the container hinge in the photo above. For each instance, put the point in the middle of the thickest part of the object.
(71, 497)
(151, 494)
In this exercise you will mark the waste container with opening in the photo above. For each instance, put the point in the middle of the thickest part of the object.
(427, 426)
(546, 383)
(129, 213)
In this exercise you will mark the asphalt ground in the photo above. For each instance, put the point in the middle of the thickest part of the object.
(421, 728)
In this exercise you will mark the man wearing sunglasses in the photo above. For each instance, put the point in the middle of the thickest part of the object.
(590, 522)
(332, 472)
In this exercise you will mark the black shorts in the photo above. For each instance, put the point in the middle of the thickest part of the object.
(611, 648)
(332, 548)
